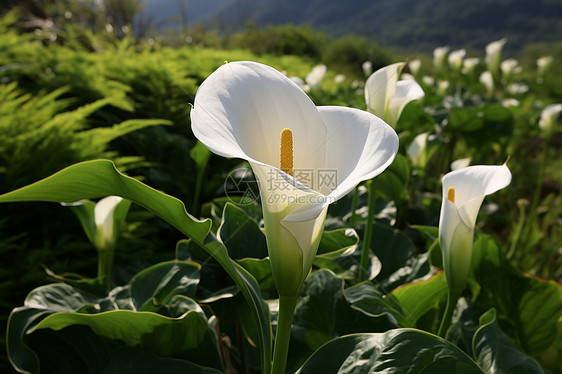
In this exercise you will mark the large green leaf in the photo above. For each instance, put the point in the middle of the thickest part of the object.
(23, 358)
(531, 306)
(336, 243)
(407, 303)
(415, 268)
(323, 313)
(241, 234)
(418, 298)
(186, 336)
(396, 351)
(128, 360)
(157, 284)
(392, 247)
(496, 353)
(38, 304)
(99, 178)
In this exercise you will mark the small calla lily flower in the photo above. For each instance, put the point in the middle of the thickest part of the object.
(464, 191)
(386, 96)
(304, 157)
(316, 76)
(439, 55)
(106, 233)
(508, 67)
(417, 150)
(414, 66)
(543, 63)
(549, 116)
(461, 163)
(367, 67)
(469, 64)
(456, 59)
(487, 80)
(493, 55)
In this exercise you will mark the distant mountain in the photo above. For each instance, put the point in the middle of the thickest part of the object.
(416, 25)
(177, 13)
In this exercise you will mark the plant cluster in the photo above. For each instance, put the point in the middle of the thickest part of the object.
(199, 282)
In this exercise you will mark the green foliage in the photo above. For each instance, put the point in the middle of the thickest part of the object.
(280, 40)
(214, 307)
(348, 53)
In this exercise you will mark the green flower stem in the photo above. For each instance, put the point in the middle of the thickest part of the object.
(105, 268)
(532, 218)
(366, 245)
(287, 306)
(538, 186)
(517, 232)
(354, 200)
(198, 186)
(452, 299)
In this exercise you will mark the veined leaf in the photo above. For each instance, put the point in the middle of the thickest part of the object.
(396, 351)
(99, 178)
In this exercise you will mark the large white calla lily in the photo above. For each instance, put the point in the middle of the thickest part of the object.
(463, 193)
(242, 109)
(386, 96)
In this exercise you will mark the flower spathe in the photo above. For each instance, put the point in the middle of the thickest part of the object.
(549, 116)
(456, 59)
(241, 110)
(463, 193)
(417, 150)
(106, 233)
(439, 55)
(386, 96)
(493, 55)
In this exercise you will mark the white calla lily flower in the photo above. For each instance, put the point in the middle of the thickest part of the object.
(417, 150)
(508, 66)
(304, 157)
(456, 59)
(386, 96)
(493, 55)
(543, 63)
(316, 76)
(442, 86)
(439, 55)
(461, 163)
(106, 233)
(469, 64)
(464, 191)
(414, 66)
(549, 117)
(487, 80)
(367, 67)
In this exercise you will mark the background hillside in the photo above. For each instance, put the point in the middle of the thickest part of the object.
(407, 24)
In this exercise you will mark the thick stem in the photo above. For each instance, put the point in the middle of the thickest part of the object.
(366, 245)
(105, 268)
(287, 306)
(448, 315)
